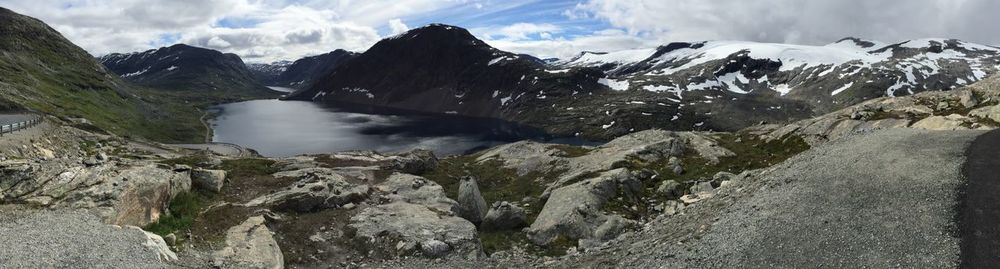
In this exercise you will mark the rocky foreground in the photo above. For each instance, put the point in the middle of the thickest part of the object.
(842, 189)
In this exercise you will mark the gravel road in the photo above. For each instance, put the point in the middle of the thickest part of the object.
(878, 200)
(66, 239)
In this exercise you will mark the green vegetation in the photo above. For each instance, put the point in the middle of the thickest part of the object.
(494, 241)
(194, 160)
(751, 153)
(248, 167)
(184, 208)
(498, 183)
(570, 151)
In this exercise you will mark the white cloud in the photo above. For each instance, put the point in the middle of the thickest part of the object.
(268, 30)
(397, 26)
(798, 21)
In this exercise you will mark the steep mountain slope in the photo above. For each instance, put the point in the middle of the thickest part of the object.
(202, 72)
(444, 69)
(303, 72)
(267, 73)
(42, 71)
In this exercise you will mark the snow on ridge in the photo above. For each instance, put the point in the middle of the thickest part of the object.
(616, 57)
(841, 89)
(618, 85)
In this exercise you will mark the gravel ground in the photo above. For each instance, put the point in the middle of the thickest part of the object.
(879, 200)
(64, 239)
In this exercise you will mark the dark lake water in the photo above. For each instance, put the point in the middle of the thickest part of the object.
(288, 128)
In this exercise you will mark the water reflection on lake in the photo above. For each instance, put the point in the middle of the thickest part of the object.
(287, 128)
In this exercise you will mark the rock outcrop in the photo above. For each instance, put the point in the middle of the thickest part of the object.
(317, 188)
(210, 180)
(121, 193)
(576, 211)
(505, 216)
(250, 245)
(470, 201)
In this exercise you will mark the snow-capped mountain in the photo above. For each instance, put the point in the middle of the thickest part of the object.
(843, 72)
(712, 85)
(267, 72)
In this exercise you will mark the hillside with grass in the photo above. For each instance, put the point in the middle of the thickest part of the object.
(42, 71)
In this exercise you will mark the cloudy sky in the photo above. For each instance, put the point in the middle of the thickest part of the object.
(269, 30)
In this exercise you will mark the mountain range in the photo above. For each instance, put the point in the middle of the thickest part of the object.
(710, 85)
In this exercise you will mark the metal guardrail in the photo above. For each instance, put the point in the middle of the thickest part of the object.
(10, 128)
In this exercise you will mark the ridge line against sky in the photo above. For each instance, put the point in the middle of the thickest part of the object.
(270, 30)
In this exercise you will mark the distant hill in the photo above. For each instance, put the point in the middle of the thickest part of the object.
(42, 71)
(303, 72)
(204, 73)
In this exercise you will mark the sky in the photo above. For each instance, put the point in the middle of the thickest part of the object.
(271, 30)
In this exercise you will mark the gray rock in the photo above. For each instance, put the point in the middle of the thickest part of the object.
(137, 194)
(317, 188)
(250, 245)
(171, 239)
(670, 189)
(989, 112)
(672, 207)
(574, 211)
(967, 98)
(675, 165)
(434, 248)
(210, 180)
(415, 224)
(505, 216)
(413, 162)
(470, 201)
(701, 188)
(719, 177)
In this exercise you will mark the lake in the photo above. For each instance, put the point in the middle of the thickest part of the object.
(287, 128)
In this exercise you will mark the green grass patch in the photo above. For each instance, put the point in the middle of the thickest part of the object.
(249, 167)
(570, 151)
(194, 160)
(494, 241)
(184, 208)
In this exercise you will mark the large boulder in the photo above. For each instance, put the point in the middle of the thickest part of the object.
(413, 162)
(471, 204)
(210, 180)
(250, 245)
(505, 216)
(989, 112)
(670, 189)
(134, 194)
(415, 213)
(317, 188)
(437, 233)
(576, 211)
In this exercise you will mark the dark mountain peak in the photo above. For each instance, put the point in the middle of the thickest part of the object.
(441, 34)
(661, 50)
(858, 41)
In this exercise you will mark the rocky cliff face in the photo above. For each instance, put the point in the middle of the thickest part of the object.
(205, 72)
(444, 69)
(267, 73)
(304, 72)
